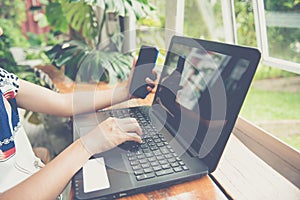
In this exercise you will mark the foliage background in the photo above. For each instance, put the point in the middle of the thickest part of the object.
(92, 53)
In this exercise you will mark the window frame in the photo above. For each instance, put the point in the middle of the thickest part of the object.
(262, 41)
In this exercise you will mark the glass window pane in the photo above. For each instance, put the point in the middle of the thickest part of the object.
(244, 18)
(150, 30)
(203, 19)
(283, 29)
(273, 103)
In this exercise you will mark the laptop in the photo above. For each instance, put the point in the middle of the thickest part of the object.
(199, 95)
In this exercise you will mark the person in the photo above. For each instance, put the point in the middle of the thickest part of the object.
(22, 175)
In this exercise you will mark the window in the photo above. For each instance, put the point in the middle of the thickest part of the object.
(150, 31)
(272, 102)
(278, 31)
(273, 99)
(203, 19)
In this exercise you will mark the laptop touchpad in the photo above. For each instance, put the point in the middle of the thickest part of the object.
(95, 175)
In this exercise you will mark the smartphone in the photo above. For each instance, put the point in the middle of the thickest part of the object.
(143, 68)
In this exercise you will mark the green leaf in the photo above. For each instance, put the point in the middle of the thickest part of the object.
(117, 40)
(107, 68)
(75, 65)
(54, 52)
(81, 18)
(119, 64)
(56, 17)
(68, 55)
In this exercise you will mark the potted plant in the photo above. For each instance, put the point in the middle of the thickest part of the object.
(92, 52)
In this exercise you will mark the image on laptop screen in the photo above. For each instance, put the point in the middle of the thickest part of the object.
(197, 99)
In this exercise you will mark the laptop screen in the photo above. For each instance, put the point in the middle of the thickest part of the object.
(201, 99)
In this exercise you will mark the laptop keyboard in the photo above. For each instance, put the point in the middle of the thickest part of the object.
(154, 157)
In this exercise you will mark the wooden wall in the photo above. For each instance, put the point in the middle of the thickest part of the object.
(31, 24)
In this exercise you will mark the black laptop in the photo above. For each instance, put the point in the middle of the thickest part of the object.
(199, 95)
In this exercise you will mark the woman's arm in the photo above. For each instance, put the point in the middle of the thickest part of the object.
(51, 180)
(40, 99)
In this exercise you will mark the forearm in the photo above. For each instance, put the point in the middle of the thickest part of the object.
(51, 180)
(39, 99)
(95, 100)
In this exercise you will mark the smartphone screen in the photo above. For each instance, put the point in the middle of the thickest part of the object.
(143, 68)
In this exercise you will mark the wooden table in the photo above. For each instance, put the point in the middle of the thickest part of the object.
(203, 188)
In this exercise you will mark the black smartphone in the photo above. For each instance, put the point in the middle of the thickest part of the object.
(143, 68)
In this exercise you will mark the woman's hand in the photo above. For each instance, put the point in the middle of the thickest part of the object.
(151, 83)
(110, 133)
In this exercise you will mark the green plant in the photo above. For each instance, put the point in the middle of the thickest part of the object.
(27, 73)
(42, 39)
(6, 58)
(8, 63)
(12, 14)
(92, 53)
